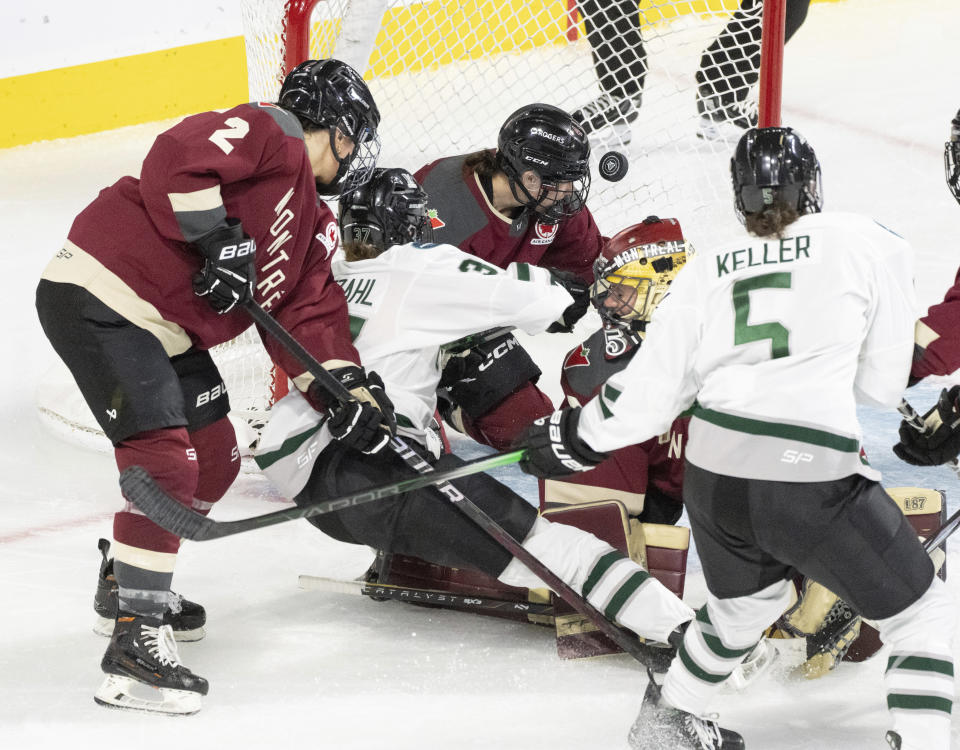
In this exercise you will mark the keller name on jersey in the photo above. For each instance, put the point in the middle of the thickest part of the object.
(786, 250)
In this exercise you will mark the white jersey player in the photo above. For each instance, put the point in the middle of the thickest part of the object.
(405, 302)
(773, 339)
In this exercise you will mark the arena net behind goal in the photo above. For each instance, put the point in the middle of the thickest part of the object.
(446, 74)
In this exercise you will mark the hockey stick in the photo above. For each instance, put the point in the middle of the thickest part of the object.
(141, 489)
(432, 597)
(622, 638)
(912, 418)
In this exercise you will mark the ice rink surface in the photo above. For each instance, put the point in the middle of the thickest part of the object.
(869, 83)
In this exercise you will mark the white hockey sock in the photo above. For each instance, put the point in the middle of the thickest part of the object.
(919, 675)
(722, 634)
(610, 581)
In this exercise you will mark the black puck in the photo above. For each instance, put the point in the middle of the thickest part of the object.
(613, 166)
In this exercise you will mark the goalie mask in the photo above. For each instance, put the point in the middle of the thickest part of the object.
(546, 141)
(775, 165)
(635, 270)
(951, 158)
(390, 209)
(333, 96)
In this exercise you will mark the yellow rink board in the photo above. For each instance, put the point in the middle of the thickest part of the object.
(160, 85)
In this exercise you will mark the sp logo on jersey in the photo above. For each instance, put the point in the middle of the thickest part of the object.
(545, 233)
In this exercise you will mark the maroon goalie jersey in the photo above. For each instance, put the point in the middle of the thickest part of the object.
(462, 216)
(937, 344)
(130, 246)
(654, 467)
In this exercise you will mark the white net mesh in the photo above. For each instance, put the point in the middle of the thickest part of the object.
(447, 73)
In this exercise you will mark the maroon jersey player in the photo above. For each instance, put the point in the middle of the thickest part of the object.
(937, 352)
(632, 275)
(154, 272)
(523, 202)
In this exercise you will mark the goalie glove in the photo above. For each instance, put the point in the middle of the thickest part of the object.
(939, 442)
(553, 448)
(229, 272)
(576, 288)
(367, 423)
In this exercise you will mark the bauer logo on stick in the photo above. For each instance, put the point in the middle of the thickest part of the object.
(613, 166)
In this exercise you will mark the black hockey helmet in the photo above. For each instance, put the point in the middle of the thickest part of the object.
(951, 157)
(333, 96)
(546, 140)
(775, 165)
(390, 209)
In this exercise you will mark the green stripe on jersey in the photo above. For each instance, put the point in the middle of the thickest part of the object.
(772, 429)
(286, 448)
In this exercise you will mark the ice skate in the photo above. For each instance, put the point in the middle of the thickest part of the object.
(607, 120)
(143, 670)
(186, 618)
(660, 726)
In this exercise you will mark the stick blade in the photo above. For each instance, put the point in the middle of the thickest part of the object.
(142, 490)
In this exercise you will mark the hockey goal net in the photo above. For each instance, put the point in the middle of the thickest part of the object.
(445, 75)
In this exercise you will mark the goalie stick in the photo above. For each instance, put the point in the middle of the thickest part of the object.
(431, 597)
(140, 484)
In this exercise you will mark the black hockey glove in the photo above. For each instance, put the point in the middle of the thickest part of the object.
(553, 447)
(939, 442)
(366, 424)
(579, 290)
(229, 273)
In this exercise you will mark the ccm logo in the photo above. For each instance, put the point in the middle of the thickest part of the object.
(498, 351)
(796, 457)
(214, 393)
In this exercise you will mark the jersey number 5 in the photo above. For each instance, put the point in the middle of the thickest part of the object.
(744, 333)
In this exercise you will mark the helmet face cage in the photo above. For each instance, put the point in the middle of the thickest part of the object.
(546, 140)
(629, 286)
(332, 95)
(391, 209)
(771, 165)
(951, 158)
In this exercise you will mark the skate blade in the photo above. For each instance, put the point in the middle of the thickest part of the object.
(117, 691)
(104, 626)
(758, 663)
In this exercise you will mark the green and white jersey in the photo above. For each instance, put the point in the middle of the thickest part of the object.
(404, 306)
(772, 342)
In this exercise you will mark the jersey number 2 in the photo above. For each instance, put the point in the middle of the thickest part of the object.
(744, 333)
(238, 129)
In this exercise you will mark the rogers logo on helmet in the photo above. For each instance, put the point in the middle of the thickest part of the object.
(549, 136)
